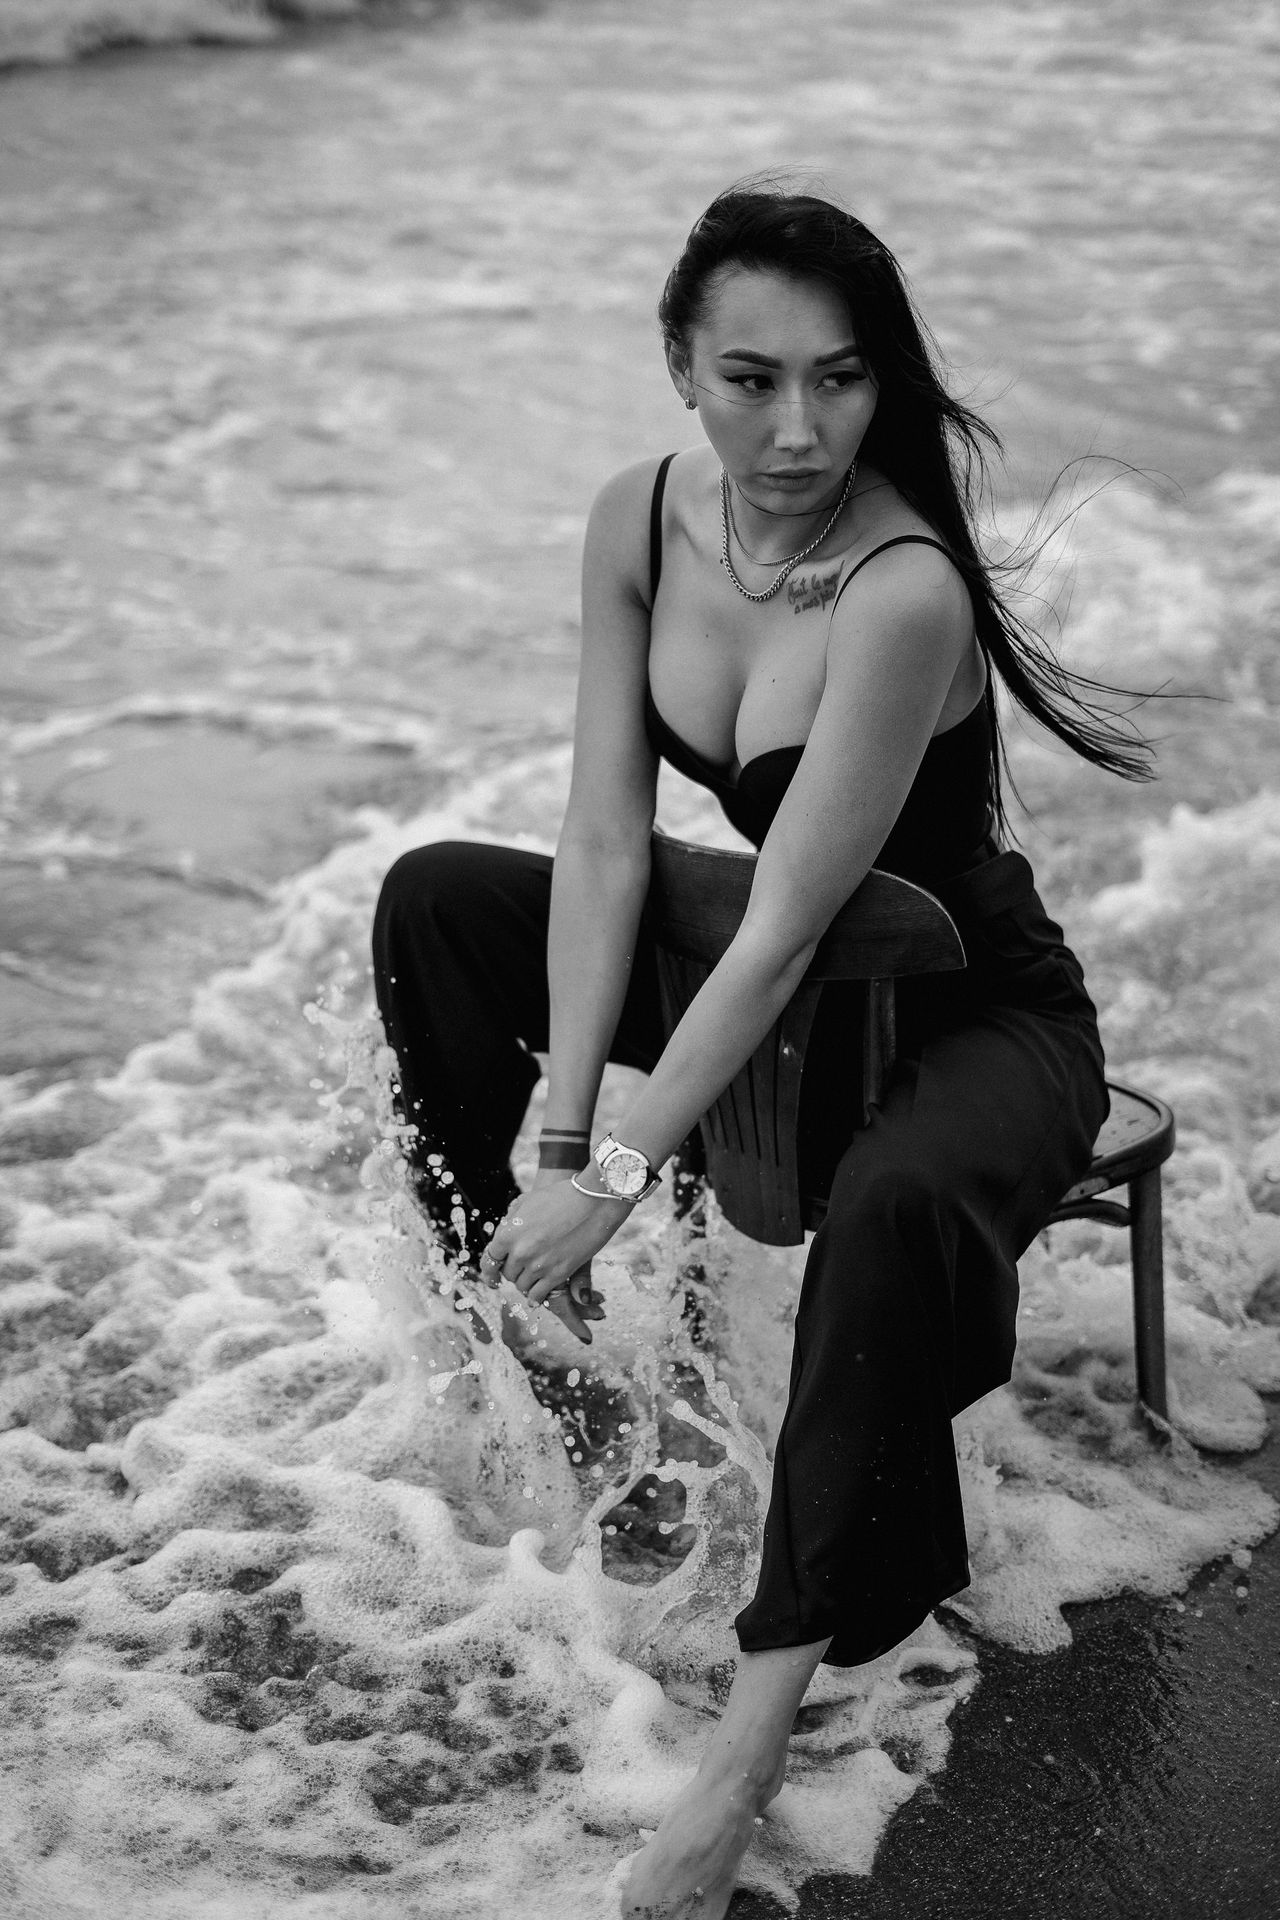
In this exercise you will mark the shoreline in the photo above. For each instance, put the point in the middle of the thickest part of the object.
(1126, 1778)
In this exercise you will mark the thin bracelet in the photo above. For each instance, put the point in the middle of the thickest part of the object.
(627, 1199)
(592, 1193)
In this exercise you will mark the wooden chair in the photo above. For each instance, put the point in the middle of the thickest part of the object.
(888, 930)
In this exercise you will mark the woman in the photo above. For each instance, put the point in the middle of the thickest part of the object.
(805, 598)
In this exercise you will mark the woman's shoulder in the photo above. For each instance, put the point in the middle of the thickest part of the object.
(895, 542)
(900, 568)
(619, 525)
(629, 485)
(630, 490)
(617, 541)
(884, 513)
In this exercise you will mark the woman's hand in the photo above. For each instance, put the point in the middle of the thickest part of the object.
(545, 1244)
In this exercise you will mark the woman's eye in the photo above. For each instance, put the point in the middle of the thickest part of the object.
(841, 380)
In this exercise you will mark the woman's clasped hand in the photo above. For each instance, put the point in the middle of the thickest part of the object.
(544, 1247)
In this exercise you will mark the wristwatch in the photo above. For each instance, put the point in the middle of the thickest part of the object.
(625, 1171)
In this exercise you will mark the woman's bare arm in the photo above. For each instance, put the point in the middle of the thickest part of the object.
(602, 862)
(893, 652)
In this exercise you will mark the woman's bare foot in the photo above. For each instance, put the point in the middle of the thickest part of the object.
(689, 1869)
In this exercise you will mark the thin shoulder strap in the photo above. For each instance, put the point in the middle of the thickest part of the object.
(899, 540)
(655, 528)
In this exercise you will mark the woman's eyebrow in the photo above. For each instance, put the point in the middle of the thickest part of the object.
(763, 359)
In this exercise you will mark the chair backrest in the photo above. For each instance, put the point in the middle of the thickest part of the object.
(889, 928)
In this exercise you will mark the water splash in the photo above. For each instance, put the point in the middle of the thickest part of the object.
(288, 1618)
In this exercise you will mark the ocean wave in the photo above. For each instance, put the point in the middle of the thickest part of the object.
(48, 32)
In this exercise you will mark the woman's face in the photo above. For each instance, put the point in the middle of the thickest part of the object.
(784, 393)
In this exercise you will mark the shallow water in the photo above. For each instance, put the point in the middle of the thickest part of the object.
(315, 357)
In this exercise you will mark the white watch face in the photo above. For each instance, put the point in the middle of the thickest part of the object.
(625, 1172)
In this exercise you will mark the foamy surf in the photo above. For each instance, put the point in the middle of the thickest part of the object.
(322, 1606)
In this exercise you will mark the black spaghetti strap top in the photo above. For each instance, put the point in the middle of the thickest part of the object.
(945, 820)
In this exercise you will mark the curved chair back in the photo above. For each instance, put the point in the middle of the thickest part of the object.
(887, 929)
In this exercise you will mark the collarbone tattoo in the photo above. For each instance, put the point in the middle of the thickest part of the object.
(809, 590)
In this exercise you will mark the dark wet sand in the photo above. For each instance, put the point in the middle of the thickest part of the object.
(1134, 1777)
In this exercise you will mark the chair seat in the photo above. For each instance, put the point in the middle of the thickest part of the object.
(1138, 1134)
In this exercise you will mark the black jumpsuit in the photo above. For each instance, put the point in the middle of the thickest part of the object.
(907, 1307)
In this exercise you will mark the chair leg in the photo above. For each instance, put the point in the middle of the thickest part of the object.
(689, 1195)
(1146, 1248)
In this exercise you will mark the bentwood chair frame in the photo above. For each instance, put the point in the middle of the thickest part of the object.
(889, 929)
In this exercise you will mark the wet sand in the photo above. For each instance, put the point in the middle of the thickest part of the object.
(1134, 1777)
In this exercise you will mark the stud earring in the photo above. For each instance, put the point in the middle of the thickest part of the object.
(690, 402)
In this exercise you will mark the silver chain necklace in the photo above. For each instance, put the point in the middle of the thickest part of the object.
(788, 566)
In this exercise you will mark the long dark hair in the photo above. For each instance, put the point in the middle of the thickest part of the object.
(930, 445)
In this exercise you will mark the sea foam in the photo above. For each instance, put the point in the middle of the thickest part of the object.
(335, 1582)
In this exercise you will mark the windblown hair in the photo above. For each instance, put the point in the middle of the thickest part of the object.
(931, 446)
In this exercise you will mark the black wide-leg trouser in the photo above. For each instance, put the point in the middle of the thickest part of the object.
(907, 1307)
